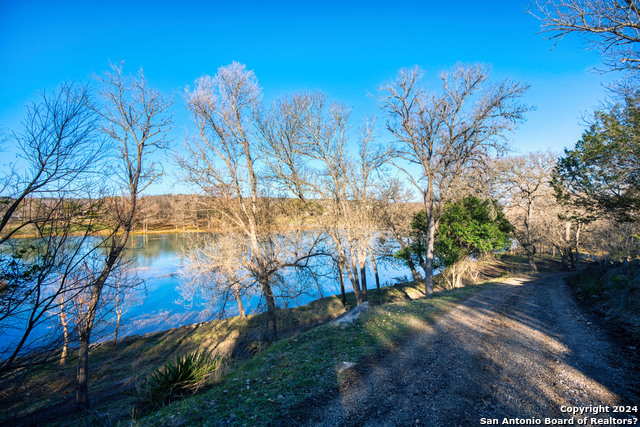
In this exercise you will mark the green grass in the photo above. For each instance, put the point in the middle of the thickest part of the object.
(303, 362)
(113, 372)
(304, 366)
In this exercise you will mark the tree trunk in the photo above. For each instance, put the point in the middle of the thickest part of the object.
(567, 253)
(572, 259)
(530, 249)
(82, 394)
(115, 334)
(375, 270)
(531, 258)
(362, 259)
(241, 312)
(577, 244)
(65, 333)
(85, 328)
(428, 261)
(414, 272)
(343, 294)
(85, 325)
(565, 259)
(272, 328)
(65, 345)
(355, 281)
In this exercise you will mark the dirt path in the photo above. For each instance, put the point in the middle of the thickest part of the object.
(519, 350)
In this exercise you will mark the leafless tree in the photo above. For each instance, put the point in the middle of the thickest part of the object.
(610, 26)
(440, 136)
(393, 214)
(79, 203)
(524, 185)
(616, 240)
(59, 153)
(563, 234)
(224, 161)
(150, 213)
(214, 269)
(58, 146)
(64, 322)
(136, 118)
(309, 141)
(127, 290)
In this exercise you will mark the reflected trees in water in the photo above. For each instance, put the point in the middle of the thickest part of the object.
(225, 161)
(85, 160)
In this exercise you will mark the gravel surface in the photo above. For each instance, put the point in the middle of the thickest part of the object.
(521, 350)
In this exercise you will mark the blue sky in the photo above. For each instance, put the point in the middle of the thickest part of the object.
(345, 49)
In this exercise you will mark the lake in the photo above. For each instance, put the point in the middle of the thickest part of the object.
(157, 260)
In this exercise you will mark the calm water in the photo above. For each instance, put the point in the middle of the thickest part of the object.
(157, 260)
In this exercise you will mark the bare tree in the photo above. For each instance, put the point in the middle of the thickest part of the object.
(616, 240)
(79, 204)
(127, 290)
(135, 117)
(308, 139)
(563, 234)
(440, 136)
(610, 26)
(58, 146)
(214, 269)
(150, 212)
(60, 153)
(394, 212)
(224, 162)
(64, 322)
(525, 182)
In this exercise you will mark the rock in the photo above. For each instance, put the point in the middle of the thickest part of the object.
(344, 366)
(350, 316)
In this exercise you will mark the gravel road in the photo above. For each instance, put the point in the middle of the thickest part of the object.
(520, 350)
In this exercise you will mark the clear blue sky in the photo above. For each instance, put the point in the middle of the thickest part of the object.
(345, 49)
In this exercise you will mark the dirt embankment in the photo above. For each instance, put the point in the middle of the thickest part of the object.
(519, 350)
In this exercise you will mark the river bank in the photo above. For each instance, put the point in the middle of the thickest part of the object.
(115, 370)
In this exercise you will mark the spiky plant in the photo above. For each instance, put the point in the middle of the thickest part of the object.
(174, 380)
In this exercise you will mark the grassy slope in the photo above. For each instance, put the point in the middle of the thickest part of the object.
(612, 294)
(303, 362)
(52, 389)
(305, 366)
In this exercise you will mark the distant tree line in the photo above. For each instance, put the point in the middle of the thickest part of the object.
(81, 163)
(292, 191)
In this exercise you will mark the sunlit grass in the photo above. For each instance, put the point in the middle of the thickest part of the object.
(304, 366)
(304, 362)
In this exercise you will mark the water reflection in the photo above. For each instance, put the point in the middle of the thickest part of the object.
(157, 258)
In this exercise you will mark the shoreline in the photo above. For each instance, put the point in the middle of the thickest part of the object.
(144, 233)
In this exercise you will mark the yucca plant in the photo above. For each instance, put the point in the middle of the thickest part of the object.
(174, 380)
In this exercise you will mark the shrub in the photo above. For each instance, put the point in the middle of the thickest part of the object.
(174, 380)
(616, 287)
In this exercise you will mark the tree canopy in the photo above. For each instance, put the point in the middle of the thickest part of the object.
(602, 172)
(470, 226)
(612, 27)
